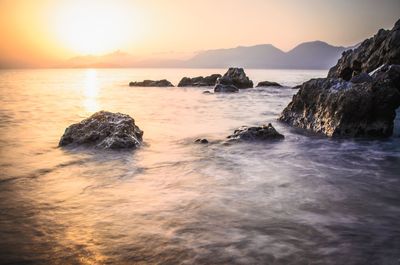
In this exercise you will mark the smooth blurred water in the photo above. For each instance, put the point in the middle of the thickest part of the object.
(305, 200)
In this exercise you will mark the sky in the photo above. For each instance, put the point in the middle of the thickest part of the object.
(44, 32)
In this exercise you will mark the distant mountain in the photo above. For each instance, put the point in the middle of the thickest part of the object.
(308, 55)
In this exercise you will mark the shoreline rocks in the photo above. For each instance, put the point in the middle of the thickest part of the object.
(225, 89)
(261, 133)
(350, 102)
(199, 81)
(339, 108)
(268, 83)
(152, 83)
(382, 48)
(105, 130)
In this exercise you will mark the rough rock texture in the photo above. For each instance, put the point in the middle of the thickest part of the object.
(151, 83)
(262, 133)
(336, 107)
(361, 78)
(199, 81)
(236, 77)
(220, 88)
(383, 48)
(104, 130)
(268, 83)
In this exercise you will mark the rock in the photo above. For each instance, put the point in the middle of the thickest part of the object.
(199, 81)
(262, 133)
(268, 83)
(207, 92)
(104, 130)
(236, 77)
(336, 107)
(151, 83)
(220, 88)
(361, 78)
(201, 141)
(383, 48)
(296, 87)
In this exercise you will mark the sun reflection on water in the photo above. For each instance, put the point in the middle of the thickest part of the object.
(91, 91)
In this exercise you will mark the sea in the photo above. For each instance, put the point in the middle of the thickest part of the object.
(307, 199)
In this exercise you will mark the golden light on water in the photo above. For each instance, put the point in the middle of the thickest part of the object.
(91, 91)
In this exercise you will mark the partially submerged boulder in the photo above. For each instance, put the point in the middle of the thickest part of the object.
(336, 107)
(261, 133)
(220, 88)
(268, 83)
(105, 130)
(236, 77)
(152, 83)
(383, 48)
(199, 81)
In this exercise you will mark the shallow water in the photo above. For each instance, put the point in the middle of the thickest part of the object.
(304, 200)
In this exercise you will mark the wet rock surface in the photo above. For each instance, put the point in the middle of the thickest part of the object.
(105, 130)
(261, 133)
(199, 81)
(336, 107)
(201, 141)
(236, 77)
(383, 48)
(220, 88)
(268, 83)
(152, 83)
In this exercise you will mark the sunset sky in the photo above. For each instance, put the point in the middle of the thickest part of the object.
(43, 32)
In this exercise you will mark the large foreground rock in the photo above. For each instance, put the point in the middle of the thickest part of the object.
(104, 130)
(152, 83)
(262, 133)
(236, 77)
(383, 48)
(337, 107)
(199, 81)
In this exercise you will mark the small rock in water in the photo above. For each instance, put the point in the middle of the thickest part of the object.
(236, 77)
(268, 83)
(262, 133)
(152, 83)
(104, 130)
(220, 88)
(201, 141)
(207, 92)
(199, 81)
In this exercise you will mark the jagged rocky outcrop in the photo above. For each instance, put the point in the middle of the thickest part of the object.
(261, 133)
(336, 107)
(236, 77)
(105, 130)
(199, 81)
(383, 48)
(359, 97)
(268, 83)
(152, 83)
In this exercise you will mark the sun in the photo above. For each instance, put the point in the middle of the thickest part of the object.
(93, 27)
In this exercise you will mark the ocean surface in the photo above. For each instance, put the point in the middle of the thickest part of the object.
(304, 200)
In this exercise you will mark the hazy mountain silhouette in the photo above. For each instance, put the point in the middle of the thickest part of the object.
(308, 55)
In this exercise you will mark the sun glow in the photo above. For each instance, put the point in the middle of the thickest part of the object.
(93, 27)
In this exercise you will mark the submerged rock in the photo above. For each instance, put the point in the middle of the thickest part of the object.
(220, 88)
(201, 141)
(104, 130)
(199, 81)
(336, 107)
(262, 133)
(207, 92)
(152, 83)
(268, 83)
(236, 77)
(383, 48)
